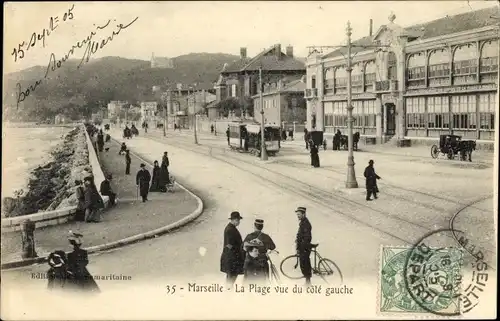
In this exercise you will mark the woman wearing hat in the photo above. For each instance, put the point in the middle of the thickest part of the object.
(254, 269)
(93, 201)
(155, 181)
(77, 265)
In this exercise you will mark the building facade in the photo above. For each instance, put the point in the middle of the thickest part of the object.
(241, 79)
(439, 77)
(284, 104)
(196, 101)
(115, 107)
(148, 111)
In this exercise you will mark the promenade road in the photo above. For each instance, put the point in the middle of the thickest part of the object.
(349, 232)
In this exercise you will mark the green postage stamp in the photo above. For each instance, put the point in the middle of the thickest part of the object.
(420, 280)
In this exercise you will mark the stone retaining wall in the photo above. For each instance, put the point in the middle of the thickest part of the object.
(63, 213)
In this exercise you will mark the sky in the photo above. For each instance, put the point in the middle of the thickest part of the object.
(173, 28)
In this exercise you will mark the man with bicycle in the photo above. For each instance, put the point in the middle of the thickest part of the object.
(303, 244)
(267, 241)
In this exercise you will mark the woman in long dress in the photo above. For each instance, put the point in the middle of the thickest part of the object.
(80, 277)
(155, 182)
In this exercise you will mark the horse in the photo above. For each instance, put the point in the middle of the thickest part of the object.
(465, 148)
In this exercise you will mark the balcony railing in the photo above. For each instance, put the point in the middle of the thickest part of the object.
(311, 93)
(385, 86)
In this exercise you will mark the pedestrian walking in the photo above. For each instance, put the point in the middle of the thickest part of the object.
(128, 161)
(314, 154)
(80, 206)
(306, 137)
(78, 260)
(142, 180)
(290, 133)
(227, 135)
(267, 243)
(232, 257)
(106, 189)
(254, 269)
(371, 181)
(93, 201)
(212, 128)
(303, 244)
(336, 140)
(155, 181)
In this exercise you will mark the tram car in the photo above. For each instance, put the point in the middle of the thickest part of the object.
(246, 138)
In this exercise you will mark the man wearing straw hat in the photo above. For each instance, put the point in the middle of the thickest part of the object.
(303, 243)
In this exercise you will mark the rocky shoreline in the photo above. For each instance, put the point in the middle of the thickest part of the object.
(52, 185)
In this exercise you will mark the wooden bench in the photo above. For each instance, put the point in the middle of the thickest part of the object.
(405, 142)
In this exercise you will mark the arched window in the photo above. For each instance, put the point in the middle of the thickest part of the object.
(465, 64)
(357, 77)
(370, 75)
(329, 80)
(415, 71)
(340, 80)
(489, 61)
(439, 67)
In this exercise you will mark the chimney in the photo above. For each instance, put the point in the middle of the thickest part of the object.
(371, 27)
(243, 53)
(277, 49)
(289, 51)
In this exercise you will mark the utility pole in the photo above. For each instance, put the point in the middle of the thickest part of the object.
(263, 153)
(351, 175)
(195, 120)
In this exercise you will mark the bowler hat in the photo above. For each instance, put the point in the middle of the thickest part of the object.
(259, 222)
(143, 165)
(235, 215)
(300, 209)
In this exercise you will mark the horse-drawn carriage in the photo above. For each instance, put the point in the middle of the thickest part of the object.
(341, 141)
(453, 145)
(247, 137)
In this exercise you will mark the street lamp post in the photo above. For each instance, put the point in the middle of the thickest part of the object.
(194, 116)
(351, 175)
(263, 153)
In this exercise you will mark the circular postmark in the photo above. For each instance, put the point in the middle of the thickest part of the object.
(434, 271)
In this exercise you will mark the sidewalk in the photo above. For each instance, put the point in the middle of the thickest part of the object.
(128, 218)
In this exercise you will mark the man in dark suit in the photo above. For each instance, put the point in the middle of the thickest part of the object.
(142, 180)
(303, 243)
(371, 181)
(232, 258)
(128, 161)
(267, 241)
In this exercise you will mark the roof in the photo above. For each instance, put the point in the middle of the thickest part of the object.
(435, 28)
(296, 85)
(266, 60)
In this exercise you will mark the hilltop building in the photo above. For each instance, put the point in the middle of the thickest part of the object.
(161, 62)
(421, 81)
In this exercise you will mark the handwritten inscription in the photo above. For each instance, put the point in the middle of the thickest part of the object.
(36, 38)
(91, 47)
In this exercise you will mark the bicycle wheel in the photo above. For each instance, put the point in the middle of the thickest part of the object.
(290, 267)
(330, 272)
(275, 274)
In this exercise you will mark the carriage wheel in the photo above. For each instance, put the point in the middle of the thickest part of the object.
(450, 154)
(434, 151)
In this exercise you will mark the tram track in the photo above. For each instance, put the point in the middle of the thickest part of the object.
(381, 221)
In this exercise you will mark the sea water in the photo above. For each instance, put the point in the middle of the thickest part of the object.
(24, 149)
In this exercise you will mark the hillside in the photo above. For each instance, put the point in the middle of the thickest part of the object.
(73, 91)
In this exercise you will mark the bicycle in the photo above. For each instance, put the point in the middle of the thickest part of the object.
(323, 267)
(273, 273)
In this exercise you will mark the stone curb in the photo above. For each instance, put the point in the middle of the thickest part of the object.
(128, 240)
